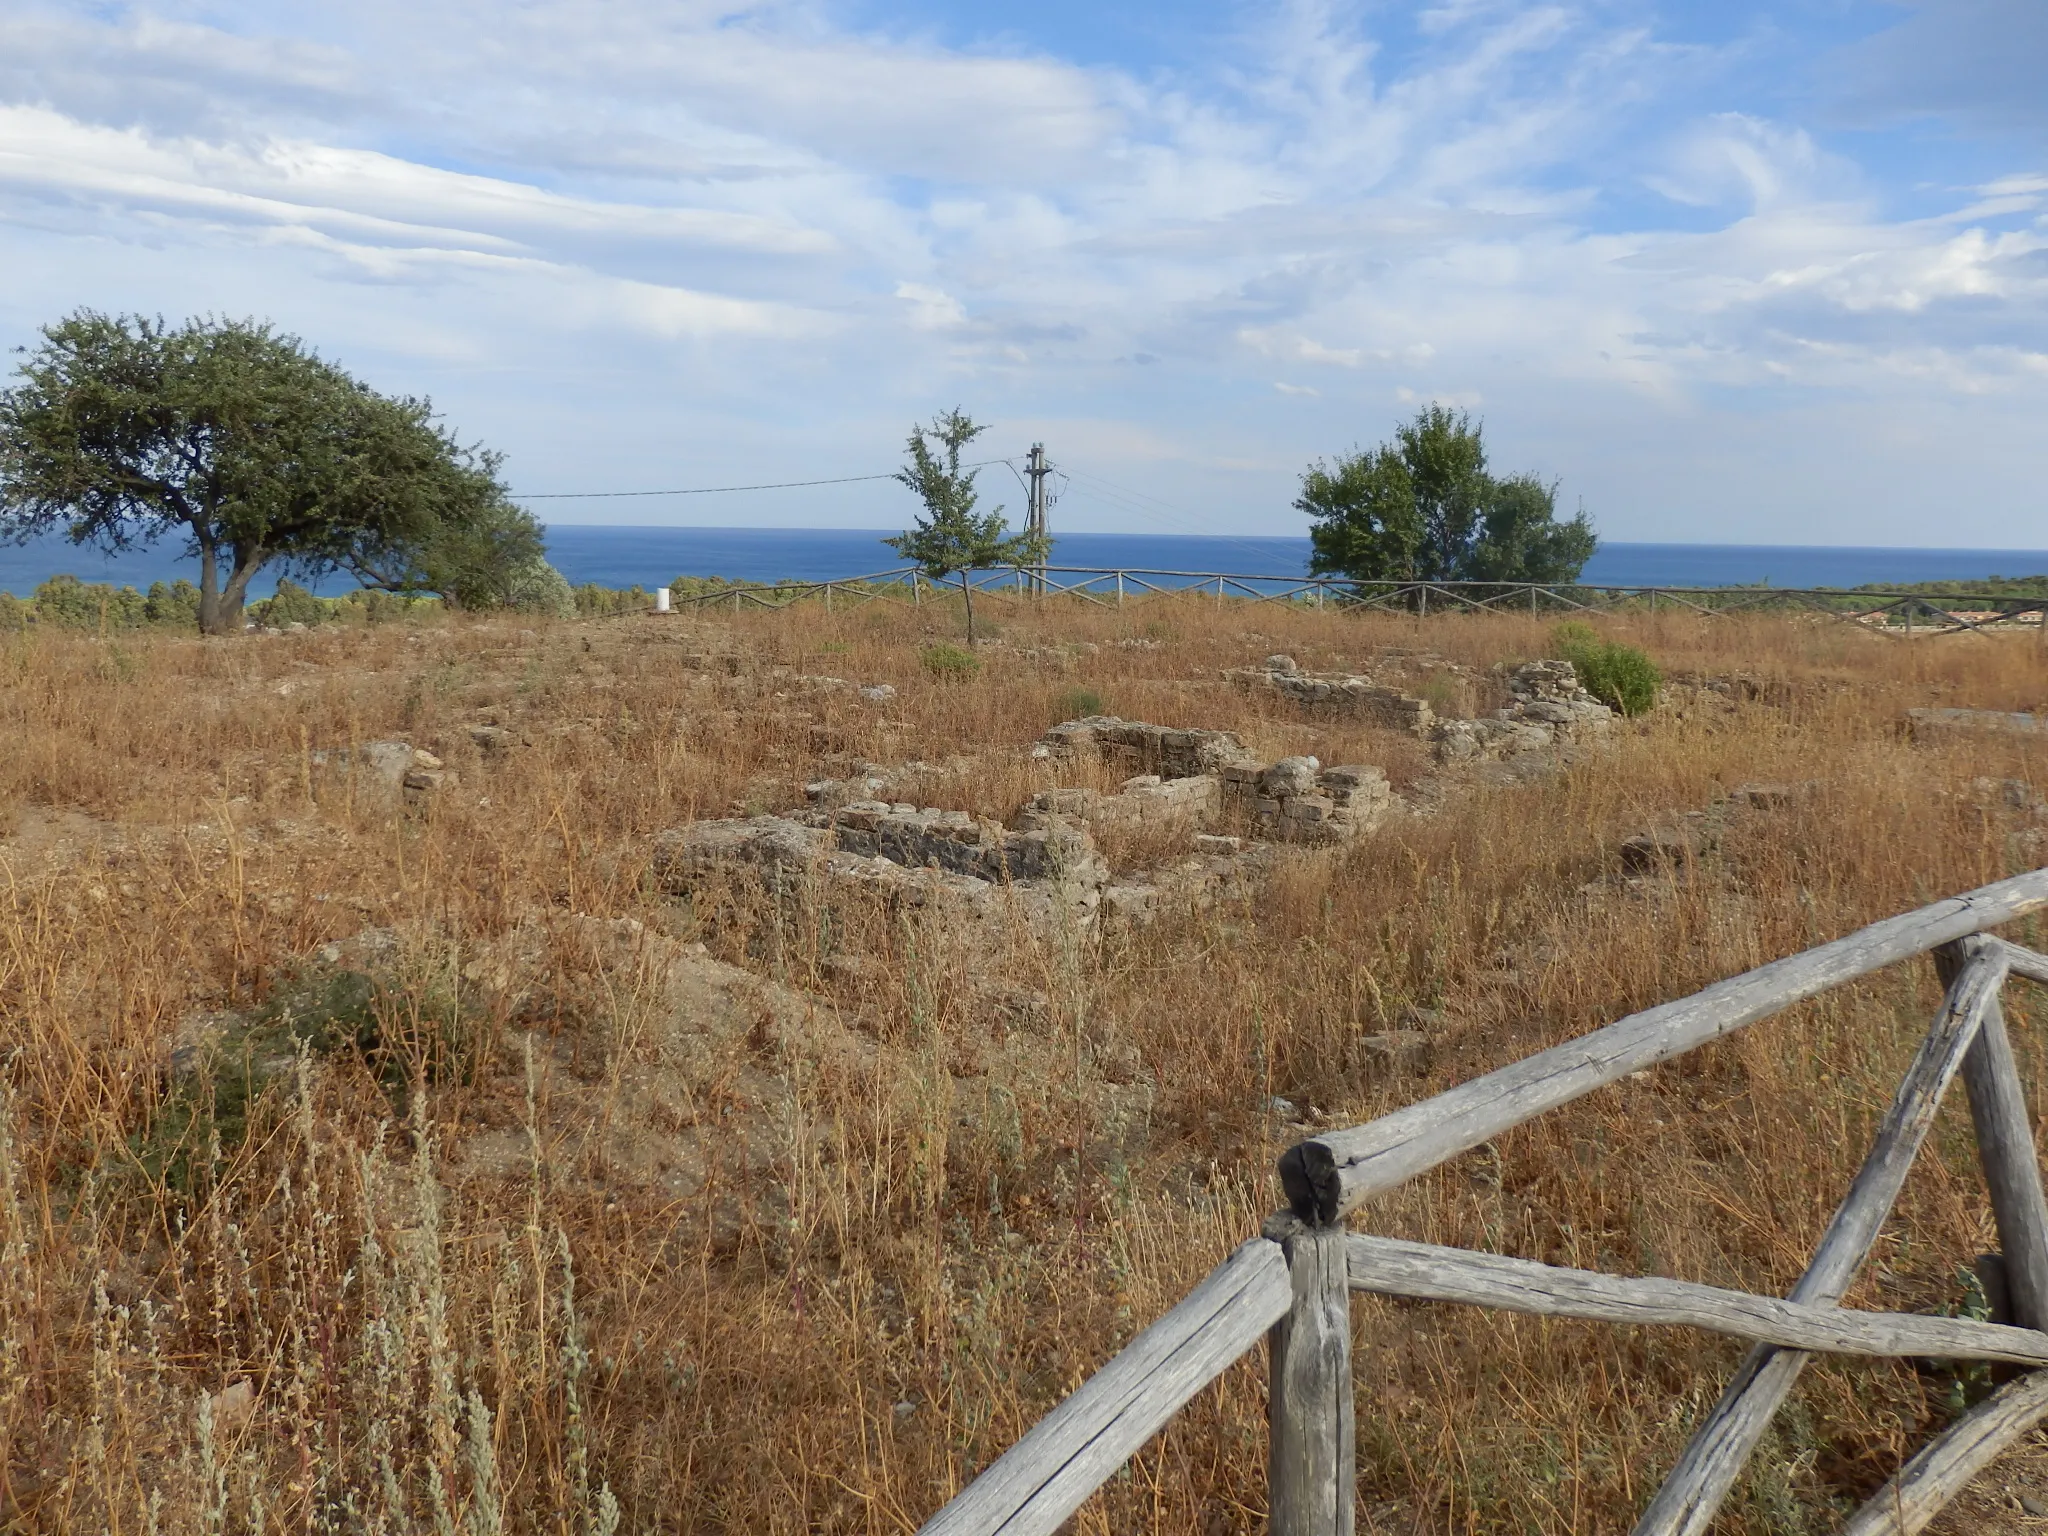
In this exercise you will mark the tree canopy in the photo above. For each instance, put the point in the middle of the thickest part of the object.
(125, 430)
(1425, 508)
(951, 537)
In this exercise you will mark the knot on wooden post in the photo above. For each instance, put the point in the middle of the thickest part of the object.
(1308, 1172)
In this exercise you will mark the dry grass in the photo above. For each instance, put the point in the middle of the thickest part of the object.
(541, 1248)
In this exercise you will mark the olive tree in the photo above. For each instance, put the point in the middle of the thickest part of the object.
(1425, 508)
(255, 450)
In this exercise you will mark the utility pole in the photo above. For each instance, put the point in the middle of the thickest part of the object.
(1036, 470)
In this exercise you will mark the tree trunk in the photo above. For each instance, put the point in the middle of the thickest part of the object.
(220, 608)
(209, 589)
(967, 594)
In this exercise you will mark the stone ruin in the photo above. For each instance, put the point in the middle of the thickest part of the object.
(1545, 707)
(1200, 777)
(1340, 694)
(1051, 877)
(1046, 868)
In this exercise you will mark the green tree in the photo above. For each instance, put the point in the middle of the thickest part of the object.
(1425, 508)
(951, 537)
(125, 430)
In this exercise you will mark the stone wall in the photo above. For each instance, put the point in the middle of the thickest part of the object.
(1293, 800)
(1336, 693)
(906, 856)
(1146, 802)
(1546, 707)
(1167, 751)
(1298, 800)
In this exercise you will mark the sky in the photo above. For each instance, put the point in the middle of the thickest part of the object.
(1726, 272)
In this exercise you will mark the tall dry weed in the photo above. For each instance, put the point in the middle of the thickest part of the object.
(420, 1267)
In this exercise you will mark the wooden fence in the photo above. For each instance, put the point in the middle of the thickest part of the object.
(1291, 1285)
(1884, 612)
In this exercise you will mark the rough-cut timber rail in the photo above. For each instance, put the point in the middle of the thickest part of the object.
(1292, 1279)
(1333, 1173)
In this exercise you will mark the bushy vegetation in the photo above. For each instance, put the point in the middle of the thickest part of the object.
(1619, 675)
(65, 602)
(952, 662)
(1426, 507)
(595, 602)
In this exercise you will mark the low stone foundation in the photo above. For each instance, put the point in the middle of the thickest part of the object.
(918, 858)
(1341, 694)
(1164, 750)
(1144, 803)
(1293, 800)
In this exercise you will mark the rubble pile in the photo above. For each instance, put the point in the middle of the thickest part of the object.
(1546, 707)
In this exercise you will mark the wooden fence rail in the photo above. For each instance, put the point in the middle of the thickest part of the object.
(1917, 612)
(1292, 1283)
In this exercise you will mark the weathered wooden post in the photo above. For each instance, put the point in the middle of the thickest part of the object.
(2005, 1145)
(1312, 1468)
(1119, 589)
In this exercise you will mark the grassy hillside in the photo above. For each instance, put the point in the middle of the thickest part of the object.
(409, 1162)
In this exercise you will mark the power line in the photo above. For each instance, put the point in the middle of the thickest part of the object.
(717, 490)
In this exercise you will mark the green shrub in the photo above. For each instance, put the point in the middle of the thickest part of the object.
(292, 604)
(536, 587)
(369, 605)
(949, 662)
(176, 603)
(1078, 704)
(76, 604)
(14, 613)
(401, 1033)
(1620, 676)
(595, 602)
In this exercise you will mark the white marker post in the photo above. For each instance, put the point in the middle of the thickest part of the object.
(661, 599)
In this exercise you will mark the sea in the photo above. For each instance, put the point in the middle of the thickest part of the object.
(652, 557)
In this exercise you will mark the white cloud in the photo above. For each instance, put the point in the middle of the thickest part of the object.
(931, 309)
(621, 237)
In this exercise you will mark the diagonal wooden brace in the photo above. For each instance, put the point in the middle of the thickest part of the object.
(1722, 1446)
(2005, 1144)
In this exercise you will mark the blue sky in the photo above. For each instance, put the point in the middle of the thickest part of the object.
(1736, 273)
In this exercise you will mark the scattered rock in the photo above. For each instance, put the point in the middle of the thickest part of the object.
(1289, 776)
(1658, 849)
(1938, 722)
(1766, 797)
(1404, 1050)
(878, 693)
(233, 1403)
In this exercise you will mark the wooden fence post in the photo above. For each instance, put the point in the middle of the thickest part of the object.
(2005, 1145)
(1312, 1470)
